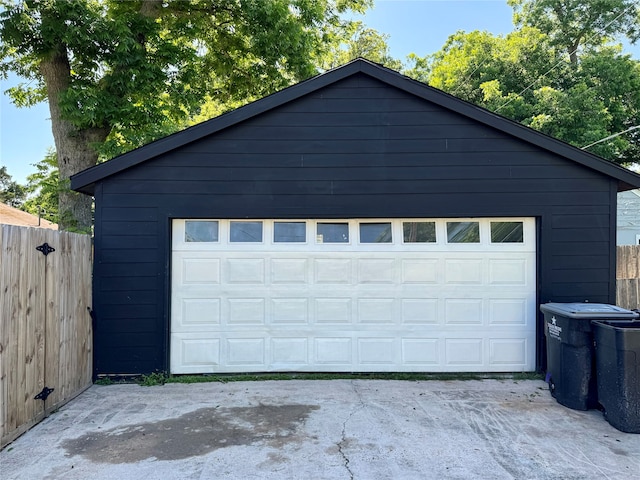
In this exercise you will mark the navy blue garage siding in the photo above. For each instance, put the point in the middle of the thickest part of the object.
(357, 148)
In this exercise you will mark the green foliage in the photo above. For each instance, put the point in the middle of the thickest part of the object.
(406, 376)
(570, 24)
(123, 73)
(527, 76)
(43, 188)
(361, 42)
(153, 379)
(11, 192)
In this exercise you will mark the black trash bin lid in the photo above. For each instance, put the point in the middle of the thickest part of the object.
(588, 310)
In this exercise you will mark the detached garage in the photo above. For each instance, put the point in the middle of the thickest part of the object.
(359, 221)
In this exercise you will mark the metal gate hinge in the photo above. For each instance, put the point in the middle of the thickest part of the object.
(46, 249)
(46, 391)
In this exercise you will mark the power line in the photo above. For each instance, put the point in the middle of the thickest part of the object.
(470, 75)
(611, 136)
(555, 66)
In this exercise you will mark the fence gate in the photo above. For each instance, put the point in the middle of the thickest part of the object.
(45, 326)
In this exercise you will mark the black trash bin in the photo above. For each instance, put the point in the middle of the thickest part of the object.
(570, 352)
(618, 372)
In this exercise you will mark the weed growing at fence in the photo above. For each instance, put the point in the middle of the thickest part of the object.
(153, 379)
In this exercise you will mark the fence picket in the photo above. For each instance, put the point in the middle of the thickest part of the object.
(628, 276)
(45, 331)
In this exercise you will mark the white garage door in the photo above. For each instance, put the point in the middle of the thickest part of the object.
(430, 295)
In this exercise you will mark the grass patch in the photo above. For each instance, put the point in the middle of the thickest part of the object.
(411, 377)
(153, 379)
(162, 378)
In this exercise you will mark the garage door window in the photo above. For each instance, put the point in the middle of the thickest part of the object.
(332, 233)
(243, 232)
(463, 232)
(507, 232)
(201, 231)
(289, 232)
(375, 233)
(419, 232)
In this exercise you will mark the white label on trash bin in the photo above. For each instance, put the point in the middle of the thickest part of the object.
(554, 330)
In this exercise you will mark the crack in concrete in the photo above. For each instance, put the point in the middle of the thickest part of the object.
(344, 441)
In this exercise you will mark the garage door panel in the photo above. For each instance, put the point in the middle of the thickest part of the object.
(333, 271)
(199, 314)
(289, 271)
(246, 311)
(463, 271)
(198, 270)
(290, 311)
(508, 311)
(420, 270)
(421, 352)
(464, 352)
(508, 352)
(419, 311)
(195, 353)
(508, 271)
(333, 351)
(289, 351)
(246, 352)
(379, 270)
(245, 271)
(377, 310)
(377, 351)
(393, 306)
(463, 311)
(333, 310)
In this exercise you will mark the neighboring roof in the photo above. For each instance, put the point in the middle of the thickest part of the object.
(85, 181)
(13, 216)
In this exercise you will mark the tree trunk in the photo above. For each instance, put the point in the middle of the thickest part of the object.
(573, 51)
(73, 145)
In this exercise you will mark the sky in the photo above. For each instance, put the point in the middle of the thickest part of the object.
(413, 26)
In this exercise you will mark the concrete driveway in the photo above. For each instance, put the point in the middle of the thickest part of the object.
(336, 429)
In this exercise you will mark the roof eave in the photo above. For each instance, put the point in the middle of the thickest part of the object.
(84, 181)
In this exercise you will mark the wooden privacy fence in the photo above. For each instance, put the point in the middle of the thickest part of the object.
(628, 276)
(45, 328)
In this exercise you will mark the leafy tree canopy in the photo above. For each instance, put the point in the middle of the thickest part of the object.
(531, 75)
(570, 24)
(43, 189)
(118, 74)
(11, 192)
(360, 41)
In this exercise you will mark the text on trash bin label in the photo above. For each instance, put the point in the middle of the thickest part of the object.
(554, 330)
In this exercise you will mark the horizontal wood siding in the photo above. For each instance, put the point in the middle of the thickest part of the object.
(358, 148)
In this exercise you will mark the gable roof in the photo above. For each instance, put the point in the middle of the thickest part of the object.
(12, 216)
(85, 181)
